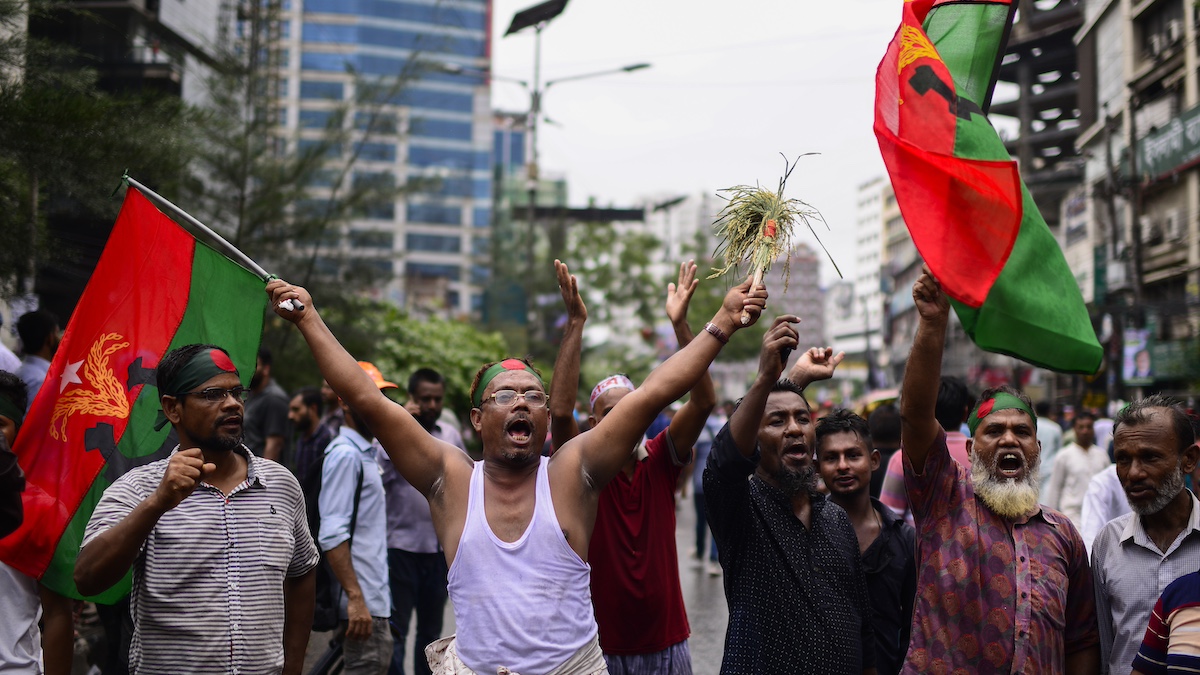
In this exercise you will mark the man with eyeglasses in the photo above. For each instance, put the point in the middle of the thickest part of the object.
(515, 526)
(217, 538)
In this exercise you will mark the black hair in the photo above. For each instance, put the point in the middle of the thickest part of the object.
(1085, 415)
(1139, 413)
(953, 403)
(884, 424)
(1042, 408)
(782, 384)
(174, 362)
(843, 420)
(13, 389)
(35, 328)
(424, 375)
(264, 355)
(311, 397)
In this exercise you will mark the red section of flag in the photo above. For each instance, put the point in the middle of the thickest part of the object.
(964, 215)
(130, 309)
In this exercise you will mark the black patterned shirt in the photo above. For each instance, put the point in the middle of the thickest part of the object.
(797, 596)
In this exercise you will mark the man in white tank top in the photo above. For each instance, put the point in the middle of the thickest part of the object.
(527, 613)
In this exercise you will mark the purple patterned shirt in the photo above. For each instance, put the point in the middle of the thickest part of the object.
(993, 595)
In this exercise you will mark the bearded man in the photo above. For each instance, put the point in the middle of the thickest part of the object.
(1136, 556)
(1003, 584)
(794, 579)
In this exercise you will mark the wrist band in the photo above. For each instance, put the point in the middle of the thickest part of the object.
(715, 331)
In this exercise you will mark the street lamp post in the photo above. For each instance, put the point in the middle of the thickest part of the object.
(537, 17)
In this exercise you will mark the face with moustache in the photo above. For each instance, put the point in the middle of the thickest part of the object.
(212, 427)
(513, 434)
(786, 440)
(1149, 464)
(1005, 458)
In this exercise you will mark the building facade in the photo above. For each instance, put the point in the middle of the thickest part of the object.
(415, 75)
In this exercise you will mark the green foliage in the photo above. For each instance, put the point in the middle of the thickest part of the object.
(64, 143)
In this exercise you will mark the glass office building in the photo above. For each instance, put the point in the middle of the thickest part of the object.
(427, 123)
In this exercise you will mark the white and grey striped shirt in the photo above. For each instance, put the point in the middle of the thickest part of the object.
(208, 584)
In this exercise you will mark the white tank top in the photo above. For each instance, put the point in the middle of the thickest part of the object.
(525, 605)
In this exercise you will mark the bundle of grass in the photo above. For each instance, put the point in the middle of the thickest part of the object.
(756, 227)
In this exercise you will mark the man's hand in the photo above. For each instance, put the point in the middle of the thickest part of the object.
(280, 290)
(742, 298)
(358, 625)
(568, 285)
(779, 336)
(680, 294)
(814, 365)
(931, 302)
(413, 408)
(184, 472)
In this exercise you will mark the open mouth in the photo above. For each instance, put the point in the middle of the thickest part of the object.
(519, 431)
(1010, 464)
(796, 452)
(230, 423)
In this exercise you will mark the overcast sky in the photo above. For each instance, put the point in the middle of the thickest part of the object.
(732, 85)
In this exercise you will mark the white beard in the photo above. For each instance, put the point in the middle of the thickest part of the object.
(1009, 498)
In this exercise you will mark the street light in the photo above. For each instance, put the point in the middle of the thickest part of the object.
(537, 17)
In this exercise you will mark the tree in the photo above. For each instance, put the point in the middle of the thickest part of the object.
(64, 142)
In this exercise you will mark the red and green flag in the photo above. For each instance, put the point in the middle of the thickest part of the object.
(155, 288)
(970, 215)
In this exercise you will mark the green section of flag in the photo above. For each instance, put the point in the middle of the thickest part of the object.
(226, 308)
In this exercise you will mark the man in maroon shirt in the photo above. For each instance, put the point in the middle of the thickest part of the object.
(1003, 585)
(635, 565)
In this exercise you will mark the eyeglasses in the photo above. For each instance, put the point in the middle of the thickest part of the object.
(217, 394)
(507, 398)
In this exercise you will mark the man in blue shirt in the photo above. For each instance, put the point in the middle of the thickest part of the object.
(354, 538)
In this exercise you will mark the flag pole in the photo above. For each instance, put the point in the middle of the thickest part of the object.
(198, 228)
(206, 234)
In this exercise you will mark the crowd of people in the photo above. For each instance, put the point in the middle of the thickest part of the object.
(950, 533)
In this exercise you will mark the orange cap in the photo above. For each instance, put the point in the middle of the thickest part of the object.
(370, 369)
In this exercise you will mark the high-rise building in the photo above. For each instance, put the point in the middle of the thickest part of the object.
(425, 63)
(854, 307)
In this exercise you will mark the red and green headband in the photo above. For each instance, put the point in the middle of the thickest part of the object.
(999, 401)
(202, 367)
(507, 365)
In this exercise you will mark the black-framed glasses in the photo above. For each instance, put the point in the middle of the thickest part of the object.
(507, 398)
(217, 394)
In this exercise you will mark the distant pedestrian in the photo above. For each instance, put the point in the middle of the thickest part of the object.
(884, 423)
(311, 434)
(9, 362)
(354, 538)
(217, 538)
(40, 334)
(266, 411)
(1073, 469)
(1050, 435)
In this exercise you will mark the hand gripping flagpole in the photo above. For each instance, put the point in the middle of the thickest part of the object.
(205, 234)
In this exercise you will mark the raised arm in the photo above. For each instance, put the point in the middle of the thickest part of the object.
(746, 420)
(564, 386)
(604, 449)
(689, 421)
(918, 393)
(419, 457)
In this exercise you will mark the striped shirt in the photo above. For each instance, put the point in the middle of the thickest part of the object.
(208, 583)
(1172, 642)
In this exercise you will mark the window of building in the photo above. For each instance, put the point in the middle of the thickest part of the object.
(459, 131)
(329, 63)
(372, 239)
(378, 152)
(481, 245)
(417, 269)
(330, 150)
(377, 122)
(434, 243)
(315, 119)
(383, 180)
(434, 214)
(481, 216)
(310, 89)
